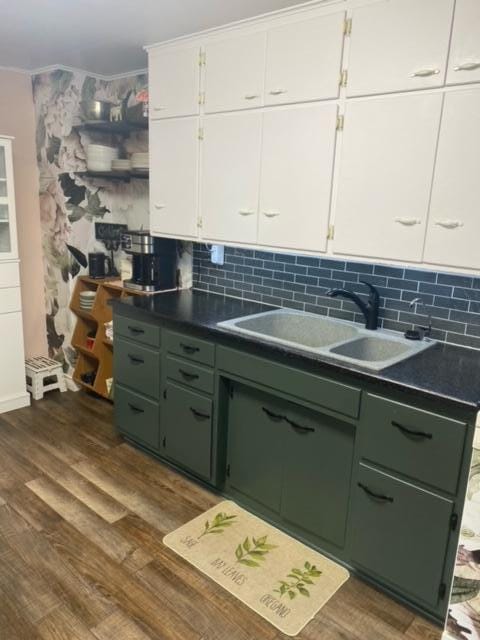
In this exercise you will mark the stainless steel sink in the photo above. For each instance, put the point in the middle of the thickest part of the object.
(336, 339)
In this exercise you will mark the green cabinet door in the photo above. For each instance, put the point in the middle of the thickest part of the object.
(137, 417)
(187, 418)
(317, 472)
(255, 445)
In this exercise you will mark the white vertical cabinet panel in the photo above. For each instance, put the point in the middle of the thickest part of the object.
(399, 45)
(453, 236)
(12, 374)
(174, 82)
(297, 166)
(235, 73)
(386, 171)
(304, 59)
(231, 176)
(174, 177)
(464, 61)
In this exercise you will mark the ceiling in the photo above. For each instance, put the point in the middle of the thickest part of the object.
(106, 37)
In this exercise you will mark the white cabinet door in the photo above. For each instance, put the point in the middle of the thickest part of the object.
(454, 223)
(297, 164)
(12, 378)
(174, 82)
(399, 45)
(386, 171)
(8, 233)
(304, 59)
(464, 61)
(174, 158)
(235, 73)
(230, 177)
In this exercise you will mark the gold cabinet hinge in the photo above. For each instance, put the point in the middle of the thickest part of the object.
(347, 29)
(331, 232)
(201, 98)
(201, 133)
(344, 78)
(202, 58)
(340, 123)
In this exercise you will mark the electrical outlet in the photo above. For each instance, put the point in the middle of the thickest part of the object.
(218, 254)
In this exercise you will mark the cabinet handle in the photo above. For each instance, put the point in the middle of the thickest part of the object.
(160, 206)
(277, 92)
(408, 222)
(247, 212)
(273, 416)
(159, 108)
(449, 224)
(251, 96)
(299, 427)
(372, 494)
(188, 348)
(188, 375)
(136, 409)
(199, 414)
(424, 73)
(136, 359)
(411, 432)
(467, 66)
(271, 214)
(136, 330)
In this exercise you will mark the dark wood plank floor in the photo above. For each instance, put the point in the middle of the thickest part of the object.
(82, 516)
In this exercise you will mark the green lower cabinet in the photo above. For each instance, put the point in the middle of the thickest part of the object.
(399, 533)
(187, 420)
(137, 417)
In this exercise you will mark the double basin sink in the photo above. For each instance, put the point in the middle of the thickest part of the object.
(337, 339)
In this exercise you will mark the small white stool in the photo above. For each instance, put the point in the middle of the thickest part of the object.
(38, 370)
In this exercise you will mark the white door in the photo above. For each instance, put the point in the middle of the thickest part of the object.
(174, 82)
(174, 159)
(454, 223)
(235, 73)
(386, 170)
(8, 237)
(297, 164)
(399, 45)
(230, 177)
(464, 61)
(303, 60)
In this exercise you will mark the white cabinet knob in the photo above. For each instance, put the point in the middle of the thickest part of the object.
(408, 222)
(271, 214)
(449, 224)
(277, 92)
(251, 96)
(159, 206)
(467, 66)
(424, 73)
(247, 212)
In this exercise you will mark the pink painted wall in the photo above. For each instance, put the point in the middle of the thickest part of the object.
(17, 119)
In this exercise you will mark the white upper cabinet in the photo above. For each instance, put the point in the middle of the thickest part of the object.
(386, 171)
(464, 62)
(230, 177)
(454, 222)
(174, 177)
(174, 82)
(8, 233)
(297, 165)
(235, 73)
(399, 45)
(304, 59)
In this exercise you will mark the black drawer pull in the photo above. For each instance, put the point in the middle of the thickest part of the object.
(199, 414)
(188, 348)
(136, 359)
(411, 432)
(273, 416)
(188, 375)
(135, 330)
(372, 494)
(135, 409)
(298, 427)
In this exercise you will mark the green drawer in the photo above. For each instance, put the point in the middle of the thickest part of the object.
(137, 367)
(137, 417)
(137, 330)
(188, 430)
(421, 445)
(191, 375)
(191, 348)
(400, 533)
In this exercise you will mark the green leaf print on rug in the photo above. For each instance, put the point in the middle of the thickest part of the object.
(218, 524)
(253, 553)
(298, 582)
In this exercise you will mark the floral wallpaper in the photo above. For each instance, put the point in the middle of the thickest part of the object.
(464, 612)
(69, 203)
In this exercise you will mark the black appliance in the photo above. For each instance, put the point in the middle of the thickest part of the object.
(154, 261)
(99, 265)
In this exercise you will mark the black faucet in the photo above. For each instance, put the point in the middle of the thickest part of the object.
(369, 310)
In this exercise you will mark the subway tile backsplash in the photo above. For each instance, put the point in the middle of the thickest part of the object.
(300, 282)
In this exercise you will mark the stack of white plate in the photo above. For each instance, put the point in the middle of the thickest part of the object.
(87, 299)
(100, 157)
(139, 161)
(120, 165)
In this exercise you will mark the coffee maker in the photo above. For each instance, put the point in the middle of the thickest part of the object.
(154, 261)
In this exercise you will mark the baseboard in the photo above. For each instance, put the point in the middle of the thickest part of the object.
(15, 402)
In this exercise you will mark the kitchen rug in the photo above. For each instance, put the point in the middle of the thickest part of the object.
(281, 579)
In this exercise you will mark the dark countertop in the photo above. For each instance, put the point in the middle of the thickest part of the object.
(444, 371)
